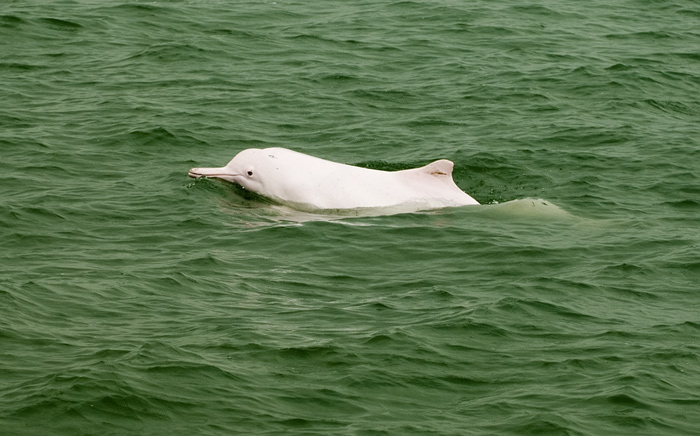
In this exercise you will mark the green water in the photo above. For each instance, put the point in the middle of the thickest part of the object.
(134, 300)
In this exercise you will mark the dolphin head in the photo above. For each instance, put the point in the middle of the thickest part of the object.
(245, 169)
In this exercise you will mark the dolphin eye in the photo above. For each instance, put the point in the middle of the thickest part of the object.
(250, 172)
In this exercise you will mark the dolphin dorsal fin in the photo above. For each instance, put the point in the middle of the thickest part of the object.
(439, 168)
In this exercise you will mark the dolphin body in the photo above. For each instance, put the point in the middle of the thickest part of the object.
(309, 183)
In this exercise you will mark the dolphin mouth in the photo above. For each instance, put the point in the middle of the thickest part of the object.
(217, 173)
(207, 172)
(197, 173)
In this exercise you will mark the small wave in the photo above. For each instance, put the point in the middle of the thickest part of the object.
(60, 24)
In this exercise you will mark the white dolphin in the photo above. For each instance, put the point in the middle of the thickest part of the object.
(310, 183)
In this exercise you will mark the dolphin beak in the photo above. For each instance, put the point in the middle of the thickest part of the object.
(195, 173)
(219, 173)
(206, 172)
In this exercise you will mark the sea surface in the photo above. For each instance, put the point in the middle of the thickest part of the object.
(137, 301)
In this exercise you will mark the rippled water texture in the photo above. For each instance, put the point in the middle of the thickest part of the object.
(135, 300)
